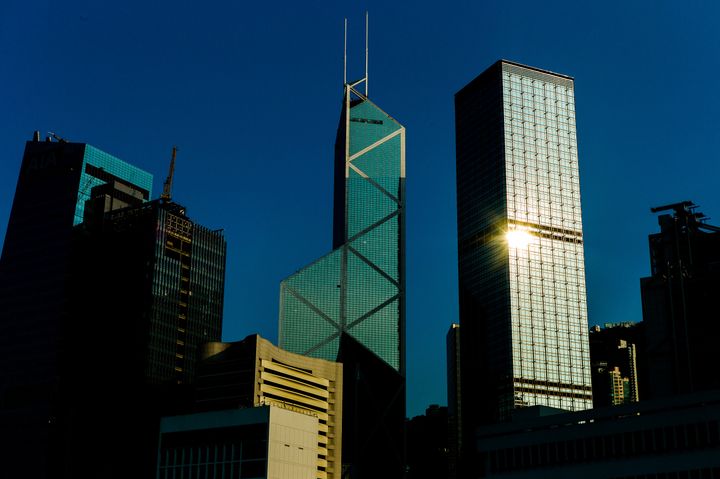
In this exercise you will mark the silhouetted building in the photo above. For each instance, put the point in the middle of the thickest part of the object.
(680, 303)
(36, 268)
(614, 358)
(253, 372)
(149, 292)
(164, 276)
(523, 309)
(356, 293)
(427, 444)
(264, 442)
(454, 398)
(676, 437)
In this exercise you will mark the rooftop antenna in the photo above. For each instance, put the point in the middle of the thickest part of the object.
(59, 139)
(366, 53)
(167, 187)
(345, 56)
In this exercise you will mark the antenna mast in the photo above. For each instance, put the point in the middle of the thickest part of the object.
(167, 187)
(366, 53)
(345, 57)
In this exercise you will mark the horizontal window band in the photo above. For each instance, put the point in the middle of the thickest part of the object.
(542, 230)
(552, 384)
(544, 392)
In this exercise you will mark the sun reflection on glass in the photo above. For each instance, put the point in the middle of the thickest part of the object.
(519, 238)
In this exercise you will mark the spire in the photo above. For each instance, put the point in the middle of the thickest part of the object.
(365, 78)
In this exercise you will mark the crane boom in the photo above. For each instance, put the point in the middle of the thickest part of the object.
(167, 187)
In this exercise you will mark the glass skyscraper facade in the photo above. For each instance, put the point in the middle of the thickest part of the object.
(523, 303)
(98, 168)
(358, 288)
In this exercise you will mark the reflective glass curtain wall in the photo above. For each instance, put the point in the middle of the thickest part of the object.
(521, 258)
(358, 288)
(98, 168)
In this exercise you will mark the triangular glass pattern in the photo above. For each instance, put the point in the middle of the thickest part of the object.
(366, 288)
(382, 164)
(304, 326)
(319, 283)
(368, 124)
(380, 333)
(366, 204)
(380, 246)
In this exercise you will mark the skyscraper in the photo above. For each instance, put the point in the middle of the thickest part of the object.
(523, 305)
(147, 295)
(350, 304)
(679, 304)
(35, 282)
(164, 274)
(358, 288)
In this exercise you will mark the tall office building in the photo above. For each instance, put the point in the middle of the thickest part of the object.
(354, 297)
(358, 288)
(679, 304)
(55, 179)
(523, 305)
(148, 292)
(164, 276)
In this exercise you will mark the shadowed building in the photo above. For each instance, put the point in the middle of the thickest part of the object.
(153, 295)
(454, 398)
(355, 295)
(679, 301)
(164, 276)
(36, 267)
(523, 308)
(427, 444)
(614, 357)
(266, 442)
(253, 372)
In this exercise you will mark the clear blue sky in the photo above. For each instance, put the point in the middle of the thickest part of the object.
(251, 92)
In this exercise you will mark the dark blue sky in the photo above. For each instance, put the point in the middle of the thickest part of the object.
(251, 92)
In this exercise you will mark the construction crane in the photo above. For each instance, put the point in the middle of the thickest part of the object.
(167, 187)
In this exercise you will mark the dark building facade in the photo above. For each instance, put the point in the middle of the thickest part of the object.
(355, 295)
(36, 268)
(523, 308)
(670, 438)
(679, 303)
(162, 275)
(427, 444)
(454, 398)
(148, 293)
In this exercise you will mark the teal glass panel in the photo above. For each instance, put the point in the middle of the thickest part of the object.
(367, 204)
(303, 329)
(110, 165)
(380, 246)
(369, 124)
(319, 283)
(380, 333)
(366, 288)
(382, 164)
